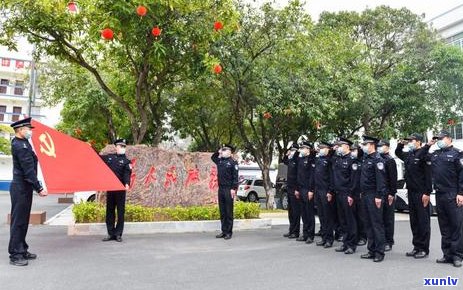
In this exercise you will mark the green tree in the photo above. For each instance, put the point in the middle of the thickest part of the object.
(5, 144)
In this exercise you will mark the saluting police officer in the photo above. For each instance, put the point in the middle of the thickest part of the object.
(324, 196)
(121, 167)
(343, 176)
(23, 184)
(373, 186)
(391, 184)
(294, 211)
(227, 169)
(447, 176)
(305, 168)
(419, 187)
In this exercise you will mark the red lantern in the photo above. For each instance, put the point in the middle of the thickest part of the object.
(217, 68)
(107, 34)
(72, 7)
(156, 31)
(267, 115)
(141, 10)
(218, 25)
(451, 122)
(78, 131)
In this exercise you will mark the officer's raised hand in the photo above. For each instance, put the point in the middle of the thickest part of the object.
(378, 202)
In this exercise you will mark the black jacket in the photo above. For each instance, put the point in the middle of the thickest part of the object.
(24, 163)
(391, 174)
(373, 175)
(291, 178)
(227, 171)
(120, 165)
(447, 169)
(417, 175)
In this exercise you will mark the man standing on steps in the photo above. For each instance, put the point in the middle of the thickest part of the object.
(227, 169)
(121, 167)
(294, 212)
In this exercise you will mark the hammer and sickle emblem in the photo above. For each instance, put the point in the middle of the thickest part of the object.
(48, 147)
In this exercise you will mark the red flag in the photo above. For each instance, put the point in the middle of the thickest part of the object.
(70, 165)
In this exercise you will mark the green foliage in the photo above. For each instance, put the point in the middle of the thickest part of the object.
(5, 144)
(93, 212)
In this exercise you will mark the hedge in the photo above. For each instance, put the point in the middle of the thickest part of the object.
(94, 212)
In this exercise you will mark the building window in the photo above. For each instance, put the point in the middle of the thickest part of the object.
(5, 62)
(2, 113)
(4, 86)
(19, 88)
(16, 114)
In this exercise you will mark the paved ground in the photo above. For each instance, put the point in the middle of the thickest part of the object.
(251, 260)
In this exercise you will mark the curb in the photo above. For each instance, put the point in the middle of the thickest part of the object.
(137, 228)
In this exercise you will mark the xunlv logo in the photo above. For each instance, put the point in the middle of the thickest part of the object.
(449, 281)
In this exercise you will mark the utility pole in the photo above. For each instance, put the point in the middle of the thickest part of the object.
(32, 83)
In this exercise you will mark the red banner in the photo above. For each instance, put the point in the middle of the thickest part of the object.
(70, 165)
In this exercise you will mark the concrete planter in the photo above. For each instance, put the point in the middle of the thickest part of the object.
(136, 228)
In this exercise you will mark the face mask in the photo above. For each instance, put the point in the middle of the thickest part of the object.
(28, 134)
(354, 154)
(322, 153)
(441, 144)
(380, 150)
(226, 154)
(411, 147)
(339, 151)
(121, 151)
(365, 149)
(301, 153)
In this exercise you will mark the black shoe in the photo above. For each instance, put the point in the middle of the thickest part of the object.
(119, 239)
(412, 253)
(301, 239)
(220, 236)
(293, 236)
(378, 258)
(320, 243)
(457, 262)
(108, 238)
(340, 249)
(286, 235)
(227, 237)
(309, 241)
(349, 251)
(387, 248)
(361, 242)
(19, 262)
(444, 260)
(420, 255)
(318, 234)
(367, 256)
(328, 245)
(340, 238)
(30, 256)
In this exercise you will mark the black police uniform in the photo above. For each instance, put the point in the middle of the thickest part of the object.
(359, 210)
(418, 183)
(305, 168)
(373, 185)
(321, 186)
(343, 174)
(447, 176)
(121, 167)
(227, 169)
(294, 211)
(23, 184)
(388, 210)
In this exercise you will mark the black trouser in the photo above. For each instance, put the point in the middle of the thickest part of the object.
(450, 218)
(360, 217)
(420, 222)
(21, 203)
(320, 212)
(307, 213)
(374, 224)
(226, 209)
(340, 222)
(115, 199)
(328, 217)
(350, 236)
(294, 212)
(388, 220)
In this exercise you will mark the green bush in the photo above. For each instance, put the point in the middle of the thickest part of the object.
(93, 212)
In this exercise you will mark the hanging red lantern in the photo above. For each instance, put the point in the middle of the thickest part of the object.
(217, 68)
(156, 31)
(107, 33)
(218, 25)
(78, 132)
(141, 10)
(72, 7)
(267, 115)
(451, 122)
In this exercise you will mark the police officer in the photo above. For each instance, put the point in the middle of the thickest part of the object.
(373, 187)
(324, 196)
(447, 175)
(357, 155)
(227, 169)
(120, 165)
(391, 184)
(23, 184)
(419, 187)
(343, 174)
(294, 212)
(305, 168)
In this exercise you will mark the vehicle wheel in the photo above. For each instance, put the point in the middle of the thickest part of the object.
(91, 198)
(284, 202)
(252, 197)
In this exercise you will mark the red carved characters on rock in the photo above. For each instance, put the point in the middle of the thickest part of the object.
(213, 182)
(170, 177)
(193, 176)
(133, 176)
(150, 177)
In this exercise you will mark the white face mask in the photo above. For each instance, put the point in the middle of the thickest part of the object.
(340, 151)
(354, 154)
(28, 134)
(120, 151)
(226, 154)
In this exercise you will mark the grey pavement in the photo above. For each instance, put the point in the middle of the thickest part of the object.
(260, 259)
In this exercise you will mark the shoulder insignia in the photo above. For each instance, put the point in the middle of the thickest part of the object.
(428, 162)
(24, 146)
(380, 165)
